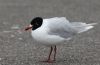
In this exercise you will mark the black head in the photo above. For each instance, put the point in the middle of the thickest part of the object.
(36, 22)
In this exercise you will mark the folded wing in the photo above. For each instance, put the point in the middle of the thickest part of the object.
(62, 27)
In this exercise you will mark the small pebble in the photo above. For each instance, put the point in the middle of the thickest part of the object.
(19, 32)
(0, 58)
(15, 27)
(20, 38)
(12, 35)
(5, 23)
(6, 31)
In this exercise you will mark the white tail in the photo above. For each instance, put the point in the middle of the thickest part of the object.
(82, 27)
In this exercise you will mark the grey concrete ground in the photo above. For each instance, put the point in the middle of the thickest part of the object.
(17, 46)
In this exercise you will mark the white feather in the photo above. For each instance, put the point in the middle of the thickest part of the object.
(82, 27)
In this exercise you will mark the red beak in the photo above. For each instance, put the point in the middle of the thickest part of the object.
(28, 28)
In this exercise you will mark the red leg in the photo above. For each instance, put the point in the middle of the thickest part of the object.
(49, 57)
(55, 51)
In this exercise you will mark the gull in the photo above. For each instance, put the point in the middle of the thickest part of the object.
(55, 31)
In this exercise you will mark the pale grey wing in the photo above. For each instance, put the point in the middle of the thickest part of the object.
(61, 32)
(60, 27)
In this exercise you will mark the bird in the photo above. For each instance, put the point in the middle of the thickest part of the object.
(54, 31)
